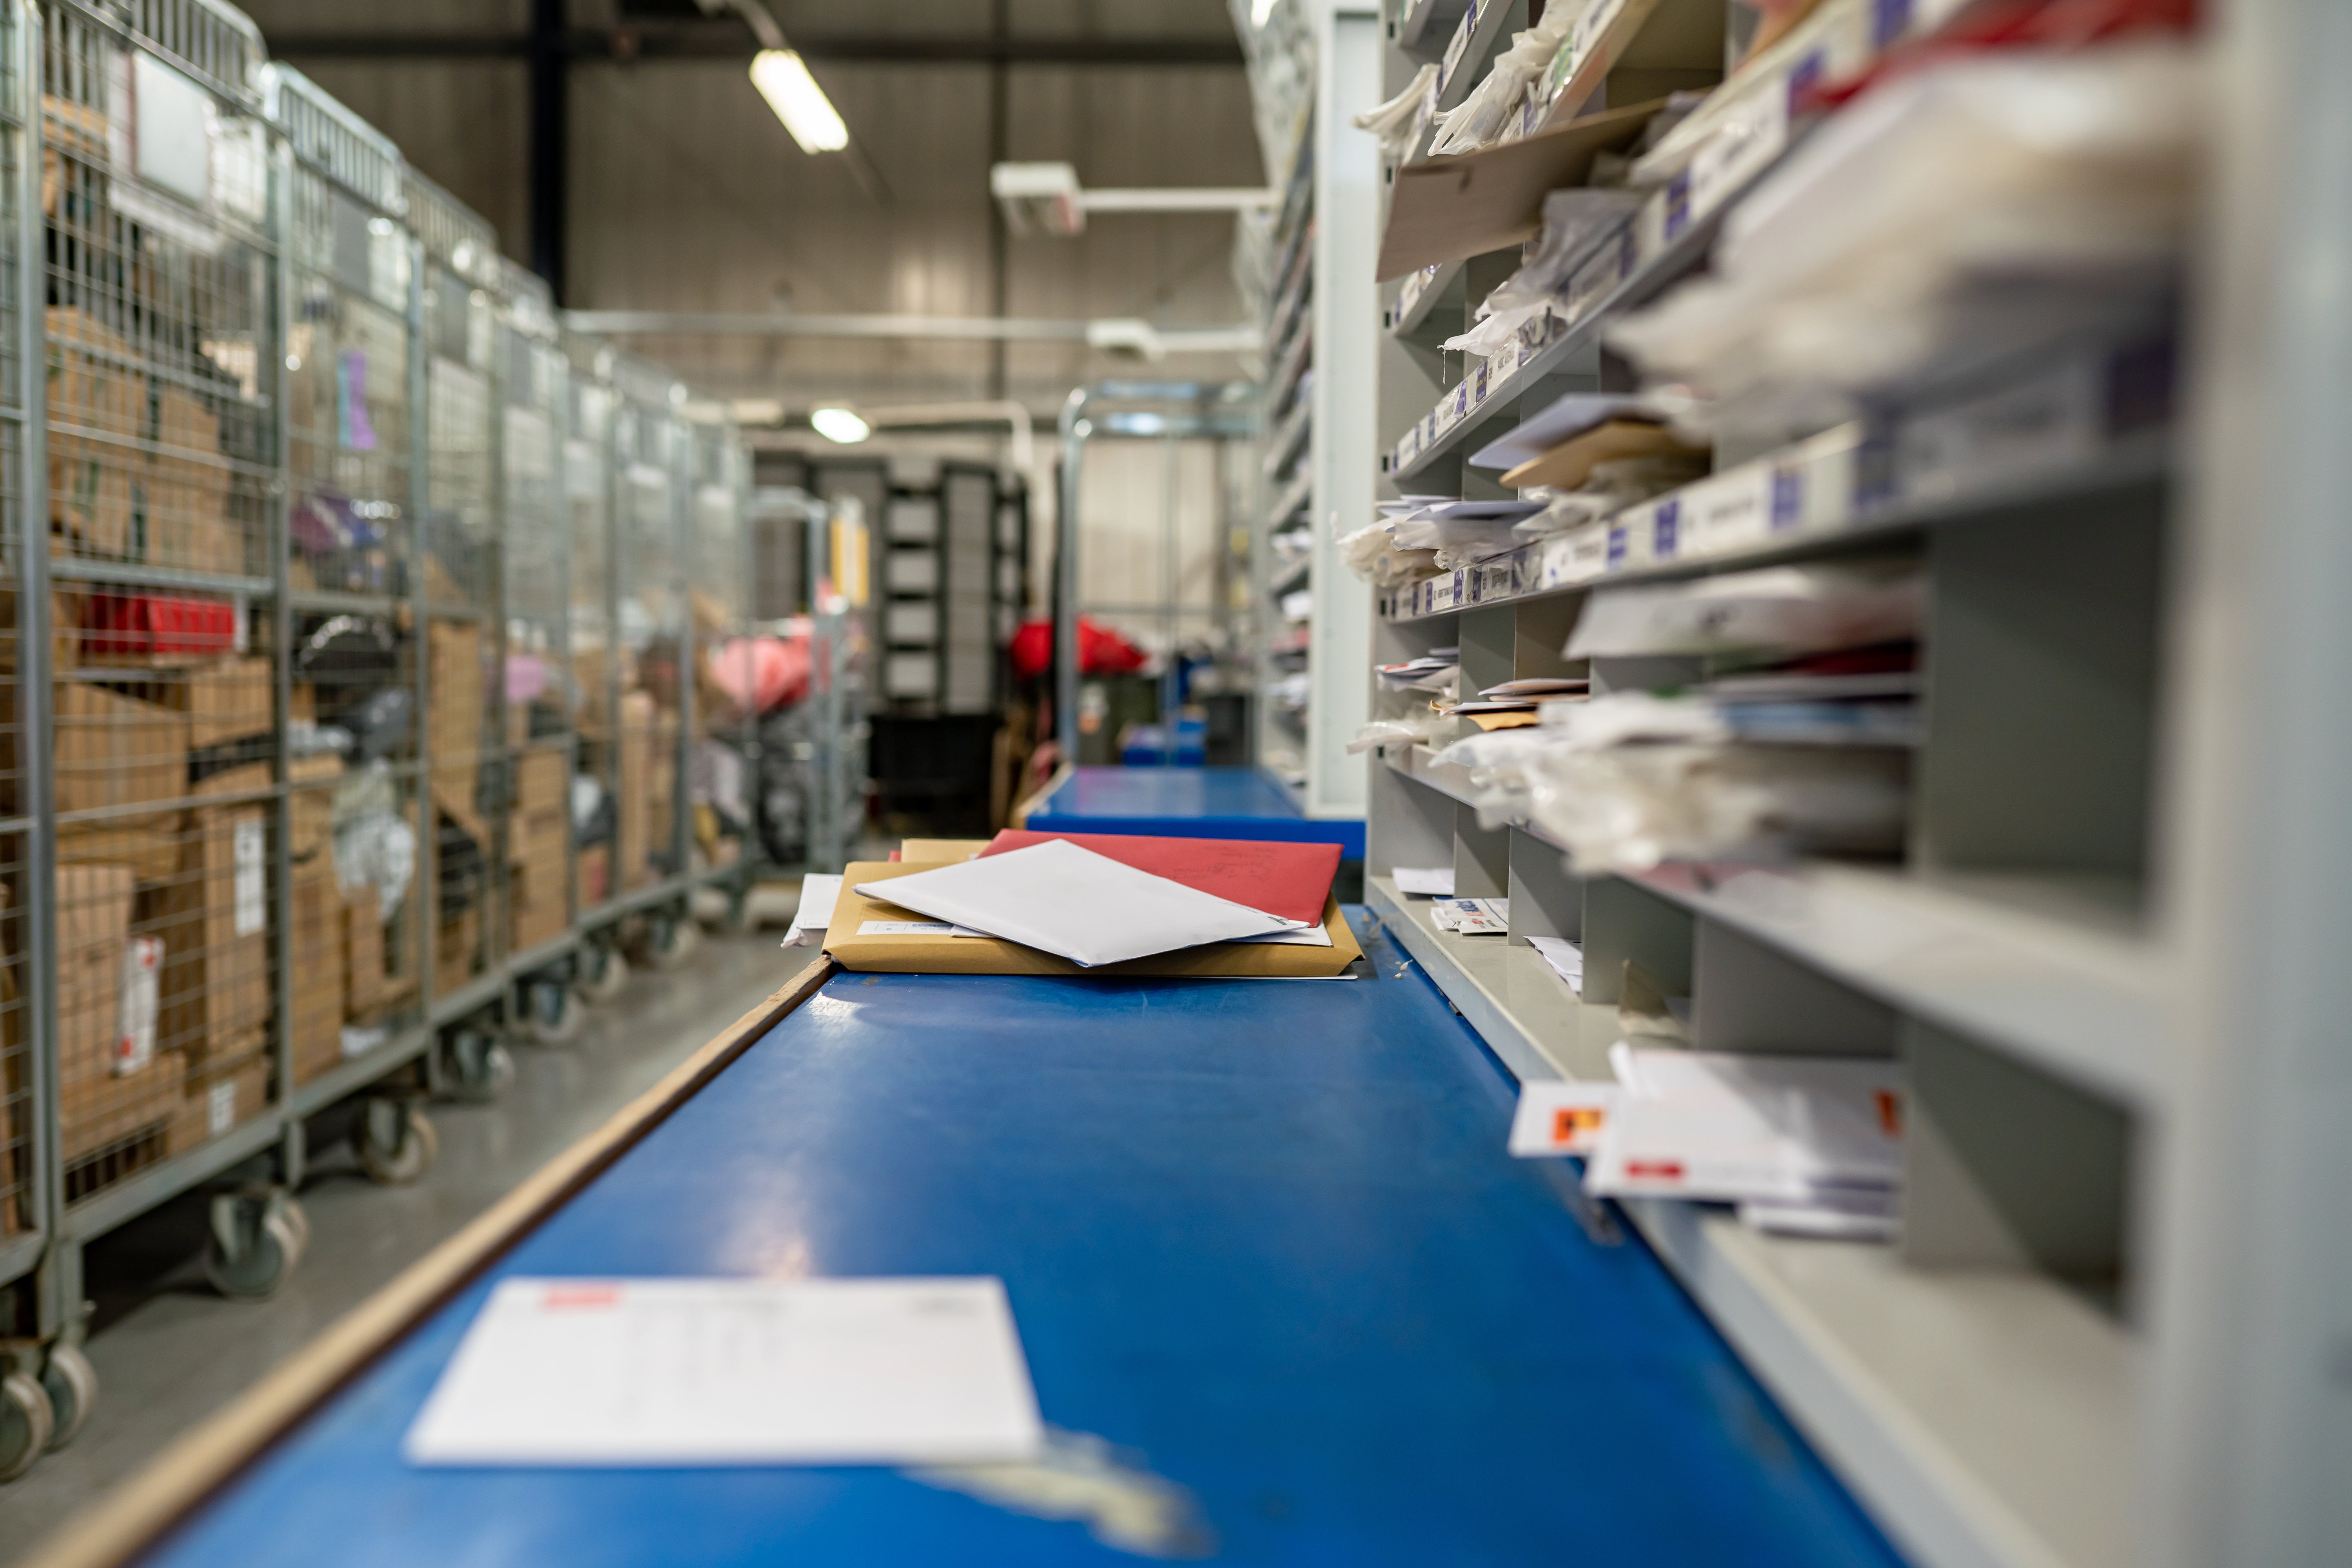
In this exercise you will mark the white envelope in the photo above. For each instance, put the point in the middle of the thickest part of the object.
(819, 892)
(1074, 904)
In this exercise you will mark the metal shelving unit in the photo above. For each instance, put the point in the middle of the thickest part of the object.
(2017, 1380)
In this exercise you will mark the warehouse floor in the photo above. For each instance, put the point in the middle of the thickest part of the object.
(169, 1352)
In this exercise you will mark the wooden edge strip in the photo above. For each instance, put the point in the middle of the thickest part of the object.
(1044, 792)
(119, 1525)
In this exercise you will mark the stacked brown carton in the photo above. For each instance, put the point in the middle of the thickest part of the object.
(98, 405)
(454, 728)
(187, 483)
(116, 1089)
(316, 928)
(537, 835)
(631, 847)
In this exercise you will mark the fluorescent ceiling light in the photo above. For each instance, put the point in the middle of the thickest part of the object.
(1259, 11)
(840, 425)
(784, 80)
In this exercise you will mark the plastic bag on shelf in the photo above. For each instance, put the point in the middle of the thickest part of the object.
(1412, 729)
(1394, 121)
(1630, 807)
(1482, 119)
(1788, 609)
(1372, 554)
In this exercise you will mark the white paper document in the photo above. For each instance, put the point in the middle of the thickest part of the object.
(1074, 903)
(1566, 958)
(819, 893)
(1472, 917)
(1429, 882)
(649, 1372)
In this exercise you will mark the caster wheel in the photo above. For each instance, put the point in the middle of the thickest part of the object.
(258, 1238)
(551, 1012)
(670, 938)
(397, 1143)
(600, 973)
(72, 1384)
(476, 1068)
(26, 1423)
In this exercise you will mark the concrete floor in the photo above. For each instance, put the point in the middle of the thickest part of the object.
(169, 1352)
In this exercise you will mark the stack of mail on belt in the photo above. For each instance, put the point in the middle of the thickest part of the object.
(1052, 903)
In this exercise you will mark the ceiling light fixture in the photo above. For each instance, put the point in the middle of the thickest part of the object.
(784, 80)
(840, 425)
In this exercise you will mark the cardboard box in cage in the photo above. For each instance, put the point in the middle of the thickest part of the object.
(97, 410)
(187, 484)
(543, 782)
(317, 980)
(214, 918)
(595, 874)
(310, 801)
(632, 818)
(458, 938)
(107, 1094)
(67, 607)
(537, 878)
(218, 1096)
(110, 750)
(455, 692)
(151, 850)
(371, 989)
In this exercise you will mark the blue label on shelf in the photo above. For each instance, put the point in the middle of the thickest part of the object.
(1678, 203)
(1802, 77)
(1788, 499)
(1616, 545)
(1888, 19)
(1665, 527)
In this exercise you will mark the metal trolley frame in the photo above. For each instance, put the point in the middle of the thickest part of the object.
(254, 413)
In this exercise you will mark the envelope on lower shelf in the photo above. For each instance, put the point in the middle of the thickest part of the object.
(924, 952)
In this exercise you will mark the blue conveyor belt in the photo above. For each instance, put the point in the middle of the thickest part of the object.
(1189, 803)
(1261, 1236)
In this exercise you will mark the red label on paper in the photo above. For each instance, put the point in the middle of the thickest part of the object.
(569, 1296)
(1656, 1170)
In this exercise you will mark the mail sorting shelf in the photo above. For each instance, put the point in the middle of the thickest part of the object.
(1187, 802)
(2016, 961)
(1286, 1351)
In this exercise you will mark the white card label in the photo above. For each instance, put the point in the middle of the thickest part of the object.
(640, 1372)
(220, 1108)
(252, 902)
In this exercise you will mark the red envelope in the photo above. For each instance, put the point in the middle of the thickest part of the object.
(1292, 881)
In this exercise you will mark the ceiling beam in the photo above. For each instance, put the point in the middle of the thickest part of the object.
(733, 43)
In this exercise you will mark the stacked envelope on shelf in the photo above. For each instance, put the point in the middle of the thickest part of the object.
(1802, 1146)
(1046, 903)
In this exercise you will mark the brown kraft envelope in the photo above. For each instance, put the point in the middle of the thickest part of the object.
(987, 955)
